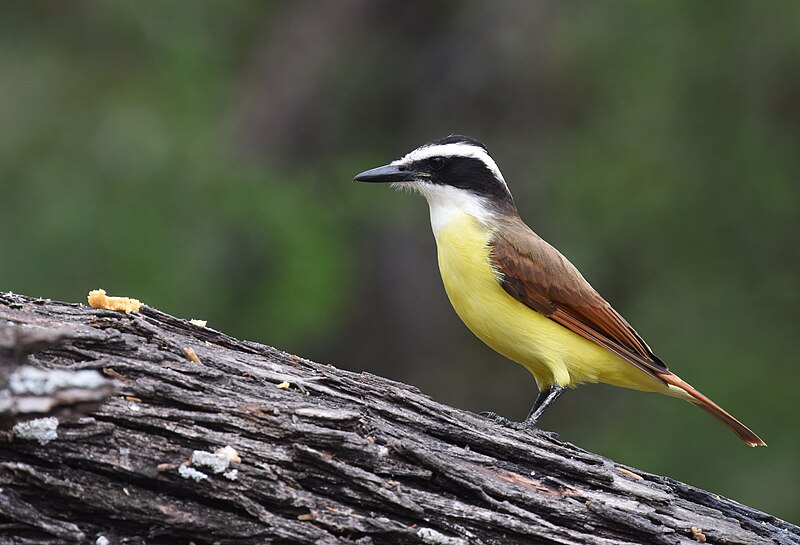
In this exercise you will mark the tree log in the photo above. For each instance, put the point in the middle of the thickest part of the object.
(318, 454)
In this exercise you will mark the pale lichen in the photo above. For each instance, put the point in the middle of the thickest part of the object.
(42, 430)
(218, 461)
(433, 537)
(191, 473)
(29, 380)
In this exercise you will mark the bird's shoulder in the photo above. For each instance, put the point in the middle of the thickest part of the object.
(534, 268)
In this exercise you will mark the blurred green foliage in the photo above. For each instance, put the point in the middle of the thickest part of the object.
(197, 155)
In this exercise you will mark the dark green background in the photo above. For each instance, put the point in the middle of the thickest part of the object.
(198, 156)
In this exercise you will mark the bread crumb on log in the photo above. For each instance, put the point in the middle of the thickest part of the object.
(99, 299)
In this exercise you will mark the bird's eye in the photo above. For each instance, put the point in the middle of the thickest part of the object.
(436, 162)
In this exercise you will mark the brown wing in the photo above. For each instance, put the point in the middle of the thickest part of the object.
(536, 274)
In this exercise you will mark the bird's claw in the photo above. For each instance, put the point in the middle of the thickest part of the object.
(503, 421)
(519, 426)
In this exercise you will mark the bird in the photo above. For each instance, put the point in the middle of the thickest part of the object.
(520, 295)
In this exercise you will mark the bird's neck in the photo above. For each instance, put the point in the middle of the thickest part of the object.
(448, 204)
(443, 214)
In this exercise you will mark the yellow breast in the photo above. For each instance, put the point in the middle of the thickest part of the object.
(552, 353)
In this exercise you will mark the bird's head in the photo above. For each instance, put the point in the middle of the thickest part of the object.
(456, 171)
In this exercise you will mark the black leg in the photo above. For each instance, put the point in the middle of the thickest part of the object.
(543, 401)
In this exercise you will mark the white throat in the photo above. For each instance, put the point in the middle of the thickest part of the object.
(447, 203)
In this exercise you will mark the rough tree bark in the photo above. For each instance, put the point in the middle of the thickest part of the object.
(326, 456)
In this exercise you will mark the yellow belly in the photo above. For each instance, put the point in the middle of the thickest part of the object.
(551, 352)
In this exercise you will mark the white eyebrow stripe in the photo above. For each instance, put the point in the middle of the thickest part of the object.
(453, 150)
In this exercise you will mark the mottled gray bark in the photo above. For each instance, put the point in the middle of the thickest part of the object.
(326, 456)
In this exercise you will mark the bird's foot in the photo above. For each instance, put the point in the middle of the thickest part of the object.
(525, 425)
(502, 420)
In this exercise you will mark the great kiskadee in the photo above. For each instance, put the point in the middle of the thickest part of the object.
(517, 293)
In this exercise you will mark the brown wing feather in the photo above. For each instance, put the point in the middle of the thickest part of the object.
(536, 274)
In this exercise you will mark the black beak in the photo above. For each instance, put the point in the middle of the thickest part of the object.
(386, 174)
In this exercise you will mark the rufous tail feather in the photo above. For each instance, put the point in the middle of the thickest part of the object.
(698, 398)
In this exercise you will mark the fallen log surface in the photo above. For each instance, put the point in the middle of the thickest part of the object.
(317, 454)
